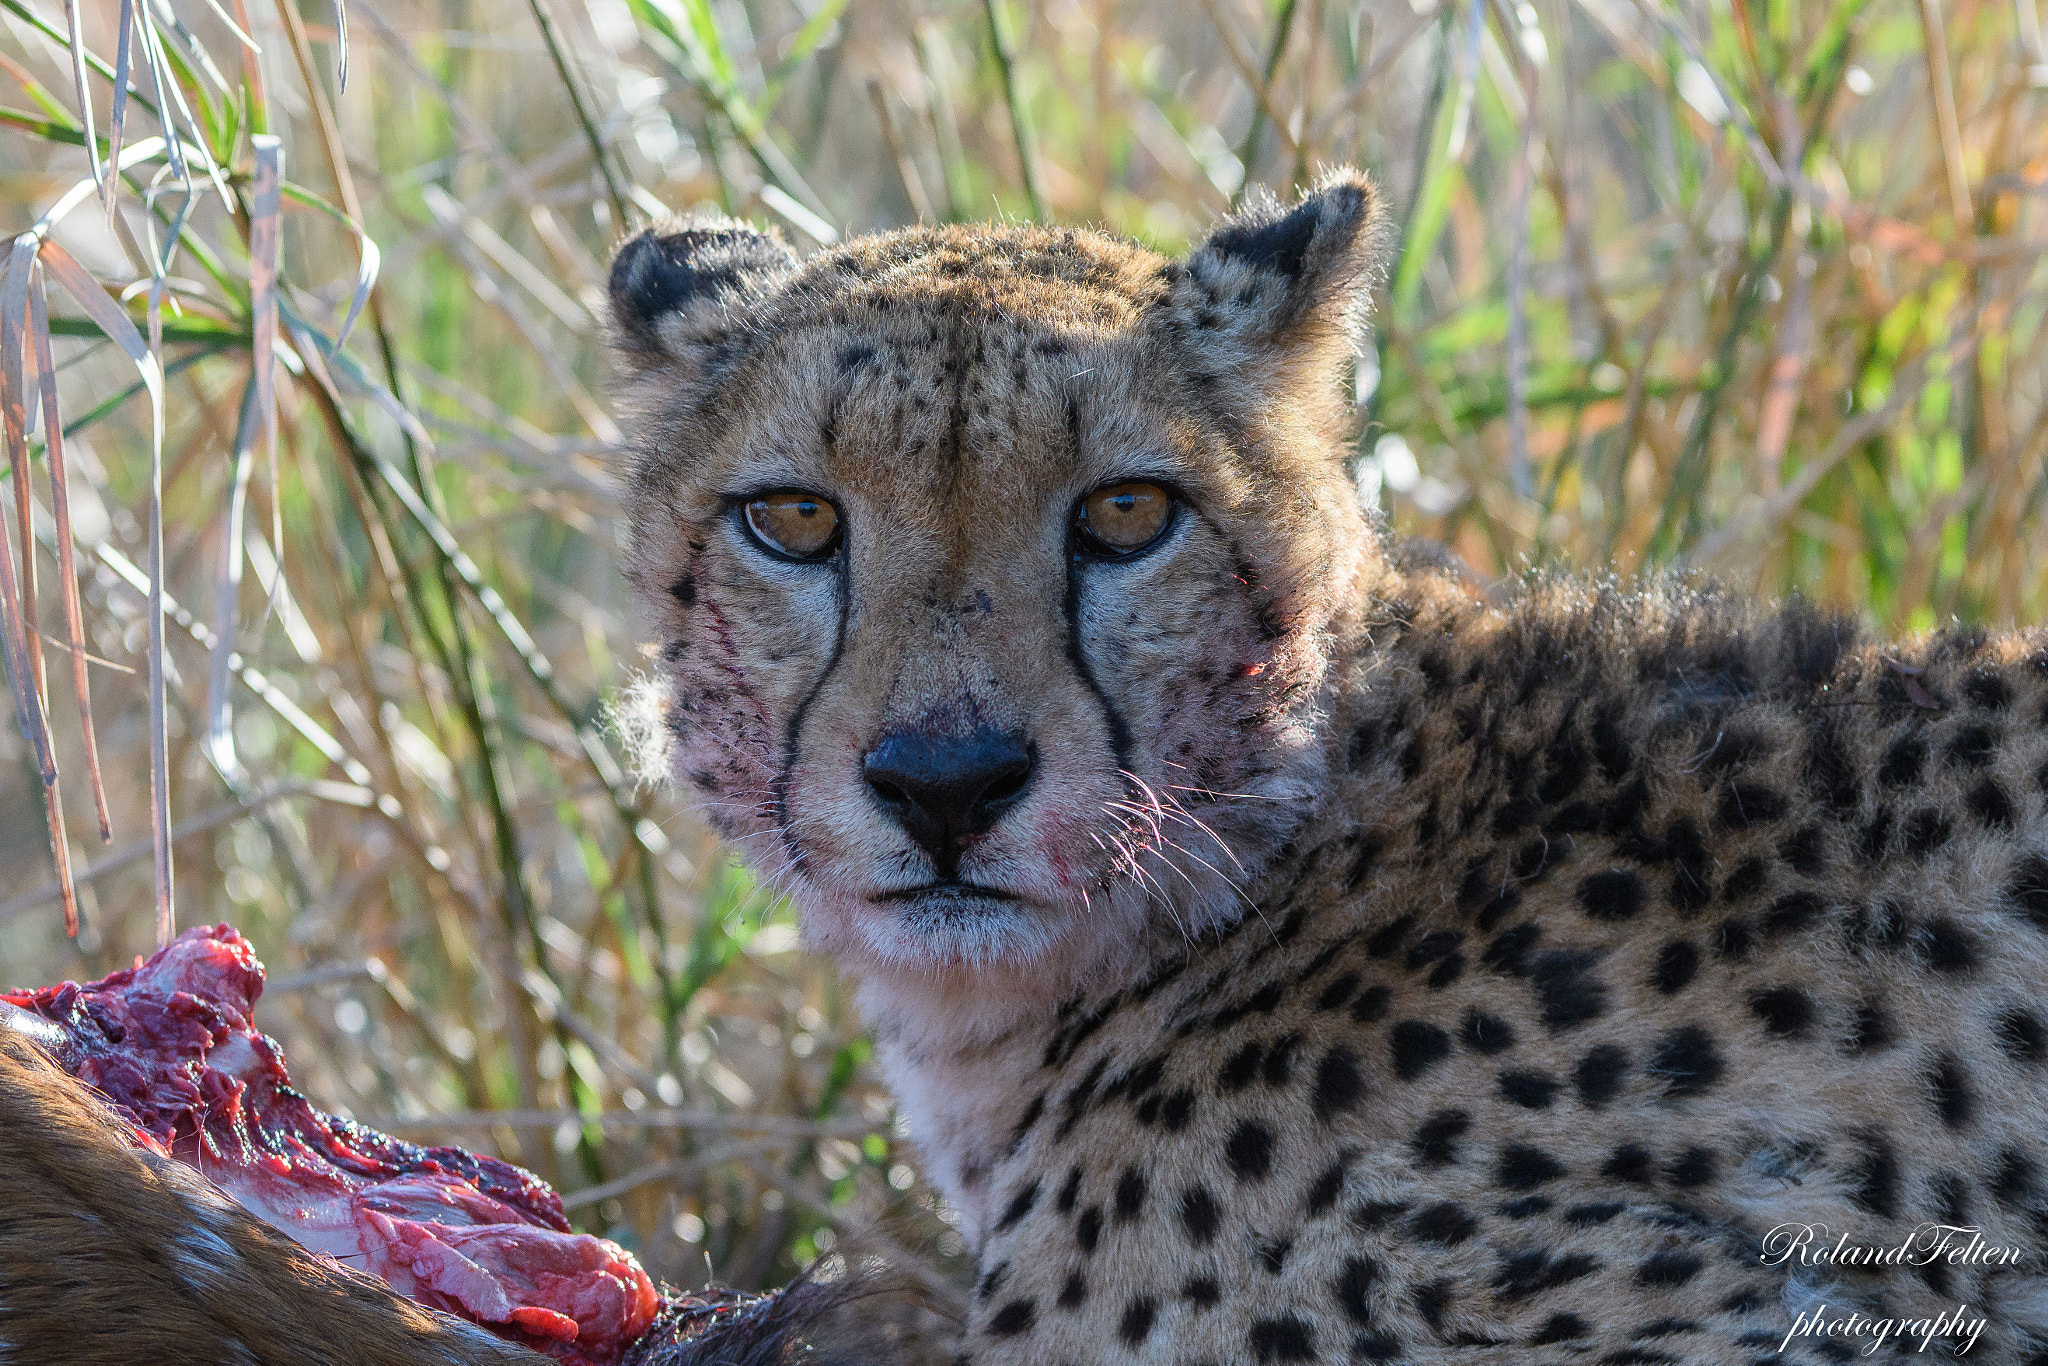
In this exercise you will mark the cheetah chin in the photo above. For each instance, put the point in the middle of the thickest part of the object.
(1282, 952)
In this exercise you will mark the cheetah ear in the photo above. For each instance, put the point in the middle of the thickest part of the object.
(1294, 281)
(675, 287)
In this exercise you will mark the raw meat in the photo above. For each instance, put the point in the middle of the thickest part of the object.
(172, 1043)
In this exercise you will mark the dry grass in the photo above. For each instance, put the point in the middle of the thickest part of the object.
(1756, 288)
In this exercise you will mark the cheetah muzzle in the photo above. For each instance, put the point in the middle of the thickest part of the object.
(1283, 953)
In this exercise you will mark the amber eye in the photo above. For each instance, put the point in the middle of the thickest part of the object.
(1123, 518)
(802, 526)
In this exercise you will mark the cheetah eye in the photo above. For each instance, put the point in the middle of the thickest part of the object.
(795, 526)
(1119, 521)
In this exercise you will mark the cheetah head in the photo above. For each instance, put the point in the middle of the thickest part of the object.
(997, 568)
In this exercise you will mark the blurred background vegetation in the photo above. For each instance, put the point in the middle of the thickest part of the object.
(1752, 287)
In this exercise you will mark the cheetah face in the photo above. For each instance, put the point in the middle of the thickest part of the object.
(995, 567)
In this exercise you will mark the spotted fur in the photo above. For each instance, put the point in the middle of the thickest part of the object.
(1498, 975)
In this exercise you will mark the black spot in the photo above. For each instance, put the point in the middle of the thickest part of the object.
(1375, 1214)
(2022, 1035)
(1261, 1002)
(1610, 746)
(1273, 1254)
(1785, 1011)
(1673, 1267)
(1539, 1269)
(1614, 895)
(1949, 1087)
(1631, 1162)
(1505, 953)
(1566, 990)
(1871, 1030)
(1242, 1066)
(1432, 946)
(1077, 1100)
(1074, 1292)
(1664, 1328)
(1203, 1292)
(1353, 1286)
(1735, 938)
(1694, 1167)
(1588, 1215)
(1828, 772)
(1136, 1324)
(1805, 850)
(1177, 1109)
(1431, 1300)
(684, 590)
(1600, 1074)
(1338, 994)
(1013, 1318)
(1946, 946)
(1488, 1034)
(1088, 1228)
(2027, 892)
(1279, 1064)
(1687, 1061)
(1903, 762)
(1249, 1151)
(1523, 1167)
(1445, 1223)
(1579, 818)
(1988, 690)
(1872, 838)
(1416, 1047)
(1130, 1195)
(1436, 1137)
(1139, 1082)
(2014, 1178)
(1322, 1196)
(1925, 831)
(1989, 803)
(1385, 941)
(1286, 1338)
(1446, 972)
(1020, 1205)
(1565, 768)
(1561, 1328)
(1031, 1116)
(1533, 1090)
(1340, 1085)
(1974, 747)
(1951, 1195)
(1747, 880)
(1070, 1192)
(1790, 914)
(1677, 963)
(1200, 1215)
(1746, 805)
(991, 1281)
(1532, 858)
(1371, 1005)
(1875, 1178)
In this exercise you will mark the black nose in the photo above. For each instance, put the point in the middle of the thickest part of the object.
(945, 790)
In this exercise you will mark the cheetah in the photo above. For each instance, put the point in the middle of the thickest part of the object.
(1282, 951)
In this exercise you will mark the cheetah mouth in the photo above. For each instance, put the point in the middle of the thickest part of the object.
(949, 891)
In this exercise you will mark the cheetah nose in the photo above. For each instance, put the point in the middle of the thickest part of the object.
(944, 790)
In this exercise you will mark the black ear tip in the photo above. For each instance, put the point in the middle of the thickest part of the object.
(665, 268)
(1330, 219)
